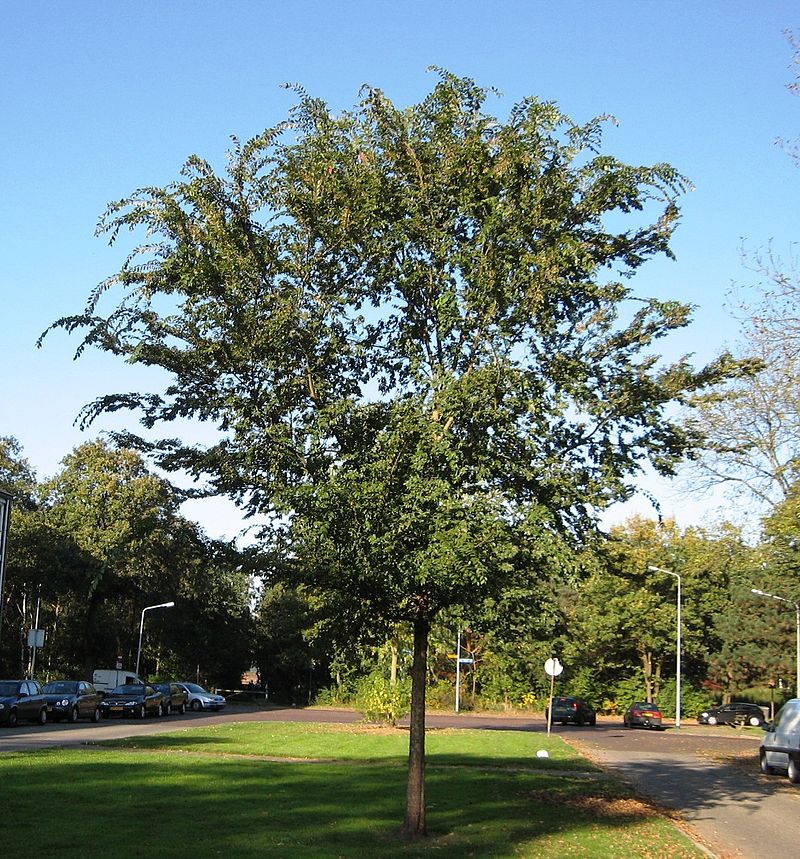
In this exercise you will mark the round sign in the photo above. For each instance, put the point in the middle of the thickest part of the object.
(553, 667)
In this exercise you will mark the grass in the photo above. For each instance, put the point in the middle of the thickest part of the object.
(339, 791)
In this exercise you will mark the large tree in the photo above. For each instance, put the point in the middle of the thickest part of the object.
(415, 332)
(752, 423)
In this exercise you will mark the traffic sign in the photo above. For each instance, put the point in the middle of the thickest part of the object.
(553, 667)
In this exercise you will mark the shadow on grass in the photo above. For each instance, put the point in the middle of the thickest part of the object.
(170, 805)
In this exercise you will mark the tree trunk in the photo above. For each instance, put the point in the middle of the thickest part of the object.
(414, 825)
(393, 669)
(647, 668)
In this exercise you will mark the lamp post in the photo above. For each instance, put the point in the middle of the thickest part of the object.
(141, 629)
(678, 647)
(796, 605)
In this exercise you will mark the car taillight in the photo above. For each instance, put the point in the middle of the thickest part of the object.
(574, 706)
(657, 714)
(636, 713)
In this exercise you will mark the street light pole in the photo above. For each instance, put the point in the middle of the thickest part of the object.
(678, 653)
(797, 632)
(141, 629)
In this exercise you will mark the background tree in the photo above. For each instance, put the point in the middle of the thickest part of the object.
(414, 331)
(752, 423)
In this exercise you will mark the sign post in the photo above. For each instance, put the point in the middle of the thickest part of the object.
(5, 520)
(552, 667)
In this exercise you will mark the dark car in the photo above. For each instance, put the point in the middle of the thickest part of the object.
(736, 713)
(567, 709)
(642, 714)
(175, 697)
(72, 700)
(21, 699)
(202, 699)
(132, 699)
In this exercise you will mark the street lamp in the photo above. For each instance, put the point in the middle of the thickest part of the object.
(678, 654)
(797, 626)
(141, 629)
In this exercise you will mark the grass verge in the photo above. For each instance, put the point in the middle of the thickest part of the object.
(338, 792)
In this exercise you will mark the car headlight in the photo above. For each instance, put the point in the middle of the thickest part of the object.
(704, 714)
(131, 703)
(63, 702)
(2, 706)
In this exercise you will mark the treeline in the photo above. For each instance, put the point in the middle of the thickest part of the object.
(102, 539)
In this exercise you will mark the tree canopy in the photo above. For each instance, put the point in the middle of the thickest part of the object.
(415, 332)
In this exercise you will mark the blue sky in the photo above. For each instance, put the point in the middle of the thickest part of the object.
(99, 99)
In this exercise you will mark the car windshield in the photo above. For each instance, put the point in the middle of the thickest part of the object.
(193, 687)
(8, 687)
(61, 687)
(129, 689)
(646, 705)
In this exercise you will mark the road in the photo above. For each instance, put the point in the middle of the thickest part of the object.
(709, 775)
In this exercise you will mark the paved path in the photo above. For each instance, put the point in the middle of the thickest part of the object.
(736, 812)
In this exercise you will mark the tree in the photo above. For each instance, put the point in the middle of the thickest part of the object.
(637, 625)
(414, 332)
(752, 423)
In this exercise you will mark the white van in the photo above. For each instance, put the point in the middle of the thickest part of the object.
(106, 679)
(780, 746)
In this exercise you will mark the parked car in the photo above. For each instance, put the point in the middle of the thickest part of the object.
(21, 699)
(736, 713)
(780, 745)
(132, 699)
(201, 699)
(72, 700)
(175, 697)
(567, 709)
(642, 714)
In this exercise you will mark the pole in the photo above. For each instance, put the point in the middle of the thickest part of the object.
(36, 628)
(141, 629)
(678, 645)
(797, 651)
(458, 670)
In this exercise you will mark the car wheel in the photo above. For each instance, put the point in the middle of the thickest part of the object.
(73, 715)
(168, 709)
(42, 717)
(793, 770)
(198, 705)
(13, 719)
(755, 721)
(712, 720)
(183, 707)
(762, 762)
(142, 712)
(593, 721)
(96, 715)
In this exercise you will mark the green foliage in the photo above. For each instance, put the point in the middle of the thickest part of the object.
(381, 701)
(414, 332)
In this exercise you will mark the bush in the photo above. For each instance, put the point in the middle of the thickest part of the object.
(442, 696)
(380, 701)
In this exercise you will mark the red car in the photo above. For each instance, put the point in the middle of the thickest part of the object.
(643, 714)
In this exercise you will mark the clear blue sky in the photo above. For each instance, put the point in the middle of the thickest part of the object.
(98, 99)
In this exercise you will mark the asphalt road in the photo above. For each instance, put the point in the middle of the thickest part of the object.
(709, 775)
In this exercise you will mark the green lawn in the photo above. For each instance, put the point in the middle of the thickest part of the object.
(340, 792)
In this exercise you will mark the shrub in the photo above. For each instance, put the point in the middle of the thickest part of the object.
(380, 701)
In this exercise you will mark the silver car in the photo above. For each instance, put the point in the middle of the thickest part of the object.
(780, 746)
(201, 699)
